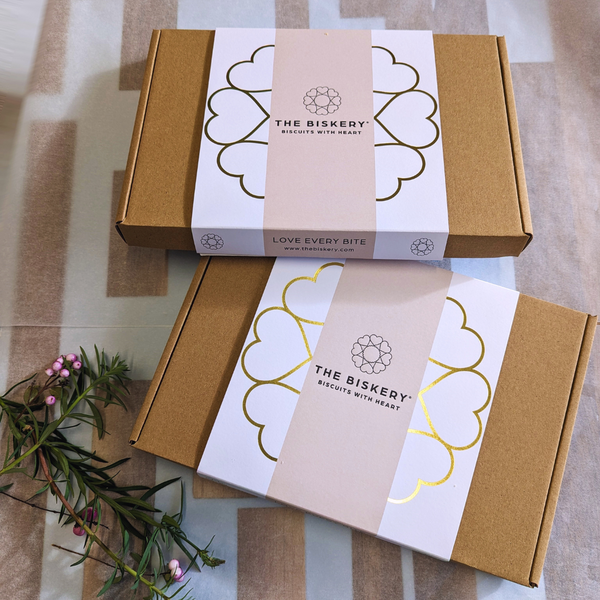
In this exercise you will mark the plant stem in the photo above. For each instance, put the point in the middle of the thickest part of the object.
(36, 446)
(96, 559)
(56, 512)
(90, 533)
(80, 554)
(30, 402)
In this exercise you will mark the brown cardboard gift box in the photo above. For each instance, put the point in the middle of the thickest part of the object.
(510, 508)
(488, 209)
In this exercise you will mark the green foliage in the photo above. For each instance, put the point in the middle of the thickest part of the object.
(84, 482)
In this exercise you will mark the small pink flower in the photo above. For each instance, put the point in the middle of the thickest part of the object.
(64, 372)
(50, 400)
(178, 575)
(173, 565)
(89, 516)
(49, 372)
(71, 357)
(76, 365)
(56, 366)
(60, 360)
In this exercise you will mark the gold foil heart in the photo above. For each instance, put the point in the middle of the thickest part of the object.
(281, 347)
(431, 419)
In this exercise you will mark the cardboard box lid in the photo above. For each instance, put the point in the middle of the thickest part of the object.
(508, 517)
(487, 198)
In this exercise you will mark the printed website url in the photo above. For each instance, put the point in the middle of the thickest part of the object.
(314, 249)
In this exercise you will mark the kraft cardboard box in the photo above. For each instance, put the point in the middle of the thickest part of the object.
(488, 211)
(510, 505)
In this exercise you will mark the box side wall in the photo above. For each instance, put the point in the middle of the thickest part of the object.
(563, 450)
(465, 246)
(168, 351)
(505, 508)
(186, 395)
(162, 192)
(515, 138)
(173, 238)
(478, 157)
(136, 136)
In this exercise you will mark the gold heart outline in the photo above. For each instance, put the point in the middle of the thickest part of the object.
(398, 142)
(249, 93)
(434, 434)
(244, 139)
(278, 380)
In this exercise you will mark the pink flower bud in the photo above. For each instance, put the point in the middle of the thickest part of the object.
(49, 372)
(64, 372)
(71, 357)
(50, 400)
(56, 366)
(91, 514)
(76, 365)
(60, 360)
(178, 575)
(173, 565)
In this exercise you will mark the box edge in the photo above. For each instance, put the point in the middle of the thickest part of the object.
(515, 141)
(168, 351)
(562, 451)
(136, 137)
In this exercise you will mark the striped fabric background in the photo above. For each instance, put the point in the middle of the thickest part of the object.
(68, 280)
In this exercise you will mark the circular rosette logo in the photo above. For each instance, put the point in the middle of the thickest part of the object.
(322, 100)
(212, 241)
(371, 354)
(422, 247)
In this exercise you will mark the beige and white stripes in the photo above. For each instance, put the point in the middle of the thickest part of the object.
(65, 276)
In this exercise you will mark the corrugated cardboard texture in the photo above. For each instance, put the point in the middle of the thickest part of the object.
(515, 138)
(157, 209)
(199, 359)
(563, 450)
(487, 200)
(509, 511)
(503, 516)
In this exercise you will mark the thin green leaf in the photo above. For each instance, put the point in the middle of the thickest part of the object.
(18, 384)
(62, 460)
(30, 392)
(97, 418)
(130, 528)
(170, 521)
(116, 507)
(90, 543)
(141, 516)
(40, 491)
(16, 470)
(34, 421)
(48, 431)
(158, 487)
(147, 554)
(137, 502)
(108, 583)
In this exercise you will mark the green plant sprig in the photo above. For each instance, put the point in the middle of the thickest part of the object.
(83, 482)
